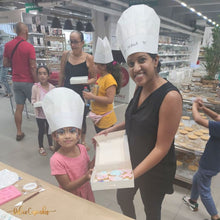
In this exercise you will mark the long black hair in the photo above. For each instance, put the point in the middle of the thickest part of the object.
(153, 56)
(115, 69)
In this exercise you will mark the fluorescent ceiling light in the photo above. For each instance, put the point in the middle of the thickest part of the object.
(198, 13)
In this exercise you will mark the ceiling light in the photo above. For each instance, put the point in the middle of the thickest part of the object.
(183, 4)
(89, 27)
(217, 25)
(68, 25)
(192, 9)
(56, 23)
(79, 26)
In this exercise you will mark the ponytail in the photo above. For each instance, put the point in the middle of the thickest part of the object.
(115, 69)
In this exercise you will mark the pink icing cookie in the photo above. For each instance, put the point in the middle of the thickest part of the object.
(115, 178)
(127, 176)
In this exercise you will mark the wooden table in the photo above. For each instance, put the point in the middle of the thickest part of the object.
(54, 203)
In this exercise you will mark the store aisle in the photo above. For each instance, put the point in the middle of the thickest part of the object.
(24, 156)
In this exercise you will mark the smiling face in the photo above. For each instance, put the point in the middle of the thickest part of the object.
(43, 75)
(142, 68)
(67, 137)
(76, 42)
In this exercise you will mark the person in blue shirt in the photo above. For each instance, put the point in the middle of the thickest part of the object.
(209, 164)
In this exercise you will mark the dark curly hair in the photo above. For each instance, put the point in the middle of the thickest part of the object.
(115, 69)
(45, 67)
(153, 56)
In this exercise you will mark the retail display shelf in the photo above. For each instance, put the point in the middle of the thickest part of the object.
(174, 61)
(35, 33)
(172, 45)
(173, 55)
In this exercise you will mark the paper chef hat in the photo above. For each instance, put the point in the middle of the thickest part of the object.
(63, 108)
(103, 52)
(138, 30)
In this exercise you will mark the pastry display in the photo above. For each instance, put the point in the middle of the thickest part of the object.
(193, 167)
(179, 163)
(113, 175)
(188, 128)
(183, 132)
(205, 137)
(198, 133)
(181, 124)
(185, 117)
(192, 136)
(204, 131)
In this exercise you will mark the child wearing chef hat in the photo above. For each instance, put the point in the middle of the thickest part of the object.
(152, 116)
(102, 111)
(70, 164)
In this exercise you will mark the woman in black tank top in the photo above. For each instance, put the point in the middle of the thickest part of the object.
(152, 116)
(77, 63)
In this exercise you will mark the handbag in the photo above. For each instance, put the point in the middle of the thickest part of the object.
(96, 118)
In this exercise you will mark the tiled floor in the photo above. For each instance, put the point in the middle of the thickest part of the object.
(24, 156)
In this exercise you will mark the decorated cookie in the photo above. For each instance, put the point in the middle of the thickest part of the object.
(116, 172)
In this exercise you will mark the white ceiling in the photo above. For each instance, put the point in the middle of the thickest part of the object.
(82, 8)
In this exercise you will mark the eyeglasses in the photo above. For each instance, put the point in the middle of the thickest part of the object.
(75, 42)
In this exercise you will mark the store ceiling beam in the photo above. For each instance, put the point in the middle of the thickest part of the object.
(179, 24)
(96, 7)
(180, 30)
(126, 5)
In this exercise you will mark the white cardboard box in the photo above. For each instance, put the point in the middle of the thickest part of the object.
(79, 80)
(112, 153)
(37, 104)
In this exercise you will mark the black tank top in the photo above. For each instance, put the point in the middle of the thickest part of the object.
(72, 71)
(141, 124)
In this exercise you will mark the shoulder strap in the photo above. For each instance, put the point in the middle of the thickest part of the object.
(12, 54)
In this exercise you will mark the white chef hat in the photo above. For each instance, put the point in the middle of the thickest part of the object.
(63, 108)
(138, 30)
(103, 52)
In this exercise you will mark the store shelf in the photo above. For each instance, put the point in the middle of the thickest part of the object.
(174, 61)
(35, 33)
(173, 45)
(173, 55)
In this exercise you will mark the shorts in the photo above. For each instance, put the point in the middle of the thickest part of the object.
(22, 91)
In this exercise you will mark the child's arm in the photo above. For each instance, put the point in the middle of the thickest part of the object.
(68, 185)
(197, 117)
(33, 94)
(107, 99)
(210, 113)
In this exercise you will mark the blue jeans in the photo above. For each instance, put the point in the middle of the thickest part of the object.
(201, 187)
(4, 80)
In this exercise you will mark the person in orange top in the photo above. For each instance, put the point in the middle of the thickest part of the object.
(102, 111)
